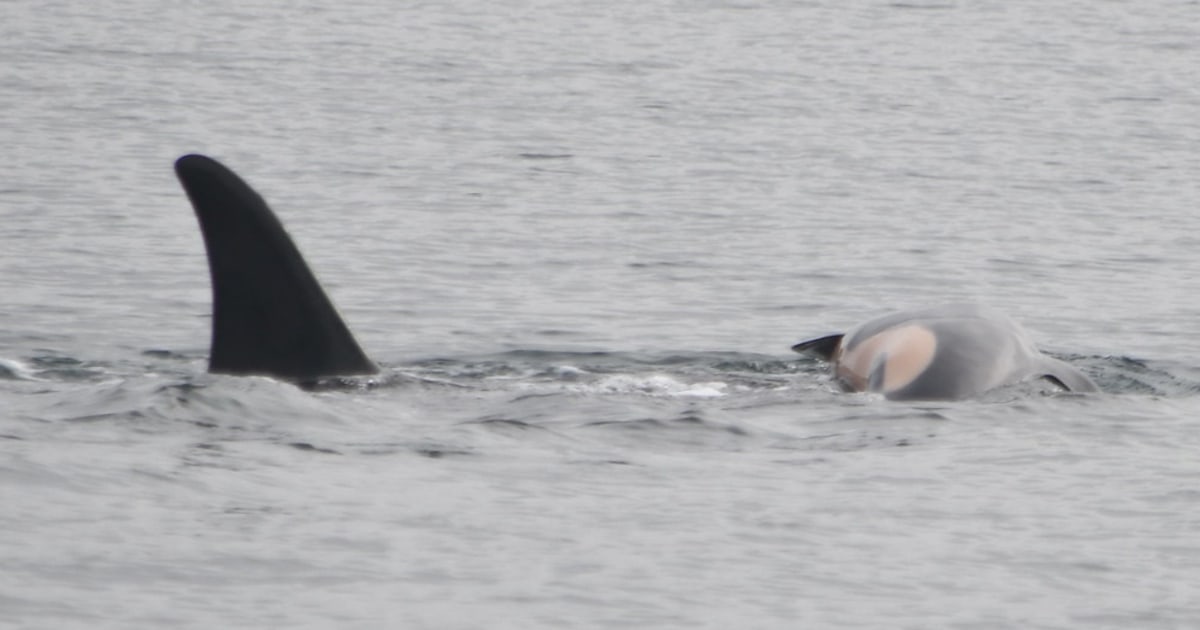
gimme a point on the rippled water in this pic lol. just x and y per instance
(581, 237)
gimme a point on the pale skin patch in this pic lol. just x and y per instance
(907, 350)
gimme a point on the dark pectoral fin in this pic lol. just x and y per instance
(270, 316)
(1066, 376)
(823, 347)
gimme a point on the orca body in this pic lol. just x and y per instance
(944, 353)
(270, 315)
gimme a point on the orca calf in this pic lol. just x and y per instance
(270, 316)
(943, 353)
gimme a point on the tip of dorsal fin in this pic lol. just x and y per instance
(823, 347)
(270, 315)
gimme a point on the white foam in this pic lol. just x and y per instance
(15, 369)
(654, 385)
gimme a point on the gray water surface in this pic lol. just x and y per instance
(580, 238)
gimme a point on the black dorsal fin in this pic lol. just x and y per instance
(270, 316)
(823, 347)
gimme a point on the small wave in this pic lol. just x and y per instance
(56, 367)
(14, 370)
(545, 156)
(689, 431)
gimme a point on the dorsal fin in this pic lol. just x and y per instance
(823, 347)
(270, 316)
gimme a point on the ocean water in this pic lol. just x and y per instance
(580, 238)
